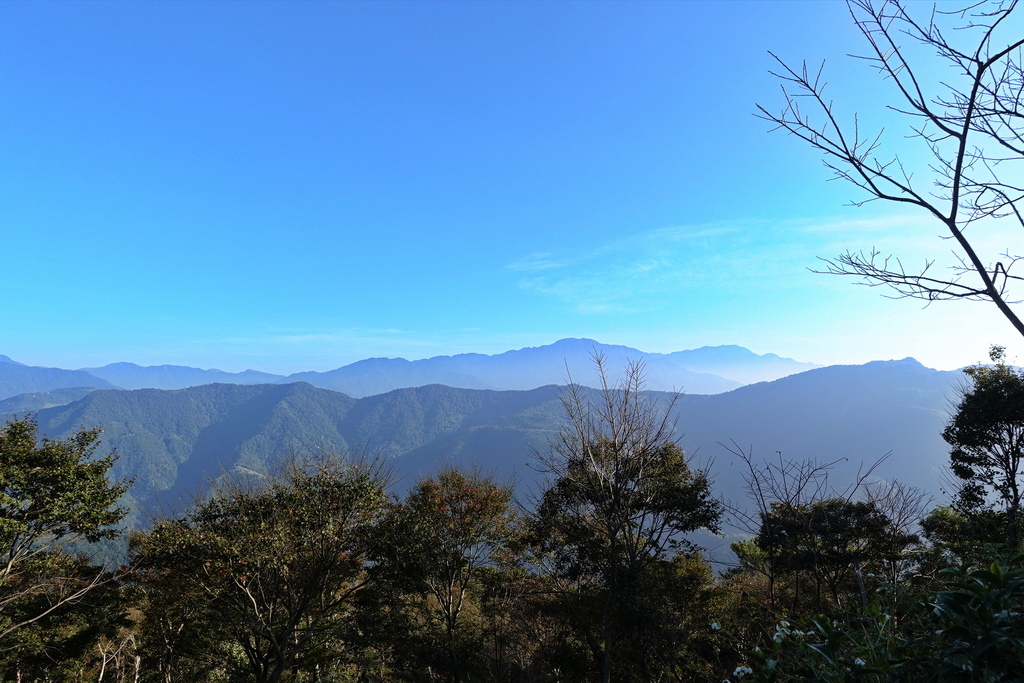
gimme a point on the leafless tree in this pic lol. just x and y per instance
(904, 506)
(972, 122)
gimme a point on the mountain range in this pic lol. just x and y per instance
(16, 379)
(172, 441)
(486, 411)
(707, 370)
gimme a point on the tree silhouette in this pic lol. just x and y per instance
(987, 436)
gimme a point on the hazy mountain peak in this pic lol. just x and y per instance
(18, 378)
(589, 345)
(124, 365)
(739, 363)
(728, 351)
(706, 370)
(377, 361)
(908, 362)
(133, 376)
(11, 361)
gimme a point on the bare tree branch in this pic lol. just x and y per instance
(972, 124)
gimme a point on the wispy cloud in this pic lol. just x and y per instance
(659, 268)
(634, 273)
(537, 261)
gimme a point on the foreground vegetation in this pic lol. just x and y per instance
(320, 573)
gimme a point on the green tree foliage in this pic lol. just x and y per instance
(621, 499)
(954, 537)
(829, 544)
(968, 629)
(987, 439)
(64, 644)
(448, 531)
(981, 612)
(262, 581)
(53, 494)
(814, 546)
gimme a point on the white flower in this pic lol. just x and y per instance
(742, 671)
(715, 626)
(859, 662)
(779, 636)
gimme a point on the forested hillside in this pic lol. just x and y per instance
(171, 442)
(16, 379)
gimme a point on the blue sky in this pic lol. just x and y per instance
(295, 186)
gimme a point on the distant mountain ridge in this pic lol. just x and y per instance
(132, 376)
(738, 363)
(23, 404)
(173, 441)
(707, 370)
(16, 379)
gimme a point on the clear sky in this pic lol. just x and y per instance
(294, 186)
